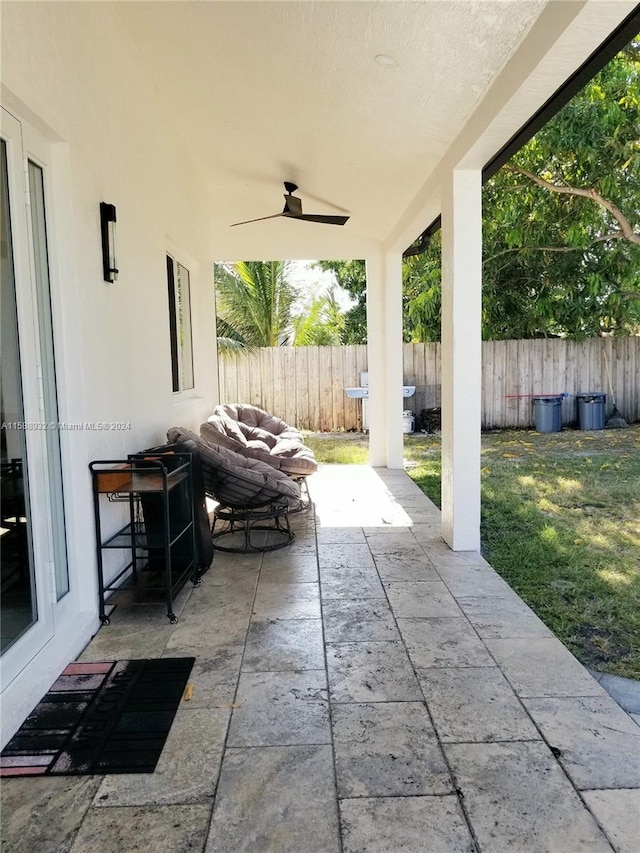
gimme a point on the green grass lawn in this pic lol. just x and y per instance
(560, 522)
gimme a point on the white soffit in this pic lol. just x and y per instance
(272, 91)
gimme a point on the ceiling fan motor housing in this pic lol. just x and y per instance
(292, 206)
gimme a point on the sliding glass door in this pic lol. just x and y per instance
(19, 604)
(33, 564)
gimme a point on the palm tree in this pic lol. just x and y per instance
(253, 304)
(321, 323)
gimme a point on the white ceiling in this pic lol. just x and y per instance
(270, 91)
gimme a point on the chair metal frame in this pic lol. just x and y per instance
(248, 520)
(249, 517)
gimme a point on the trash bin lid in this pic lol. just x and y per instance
(547, 400)
(592, 396)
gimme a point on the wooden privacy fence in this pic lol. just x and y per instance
(305, 385)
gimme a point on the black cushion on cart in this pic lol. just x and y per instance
(179, 513)
(179, 509)
(204, 545)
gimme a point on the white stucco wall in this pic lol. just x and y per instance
(69, 70)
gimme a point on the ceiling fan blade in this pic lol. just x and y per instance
(259, 219)
(293, 210)
(327, 220)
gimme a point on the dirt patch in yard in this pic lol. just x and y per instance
(600, 650)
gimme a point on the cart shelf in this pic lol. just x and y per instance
(158, 490)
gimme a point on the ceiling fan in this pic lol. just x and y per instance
(293, 210)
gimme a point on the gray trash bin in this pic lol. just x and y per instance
(591, 410)
(547, 414)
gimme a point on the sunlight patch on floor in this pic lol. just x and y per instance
(363, 498)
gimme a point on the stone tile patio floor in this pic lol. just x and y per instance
(365, 689)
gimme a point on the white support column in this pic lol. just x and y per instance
(394, 378)
(375, 360)
(461, 358)
(384, 355)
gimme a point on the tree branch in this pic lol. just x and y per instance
(632, 52)
(615, 235)
(626, 228)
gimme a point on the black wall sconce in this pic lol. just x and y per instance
(108, 230)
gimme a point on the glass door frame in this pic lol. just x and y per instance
(27, 646)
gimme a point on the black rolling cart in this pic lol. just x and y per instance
(159, 492)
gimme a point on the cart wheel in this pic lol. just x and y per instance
(172, 618)
(105, 620)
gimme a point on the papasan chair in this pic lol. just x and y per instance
(254, 499)
(261, 435)
(284, 451)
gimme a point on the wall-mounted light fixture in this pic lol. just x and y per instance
(108, 229)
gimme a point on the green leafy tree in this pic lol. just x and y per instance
(254, 302)
(351, 277)
(562, 219)
(321, 322)
(422, 295)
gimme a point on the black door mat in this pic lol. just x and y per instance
(98, 718)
